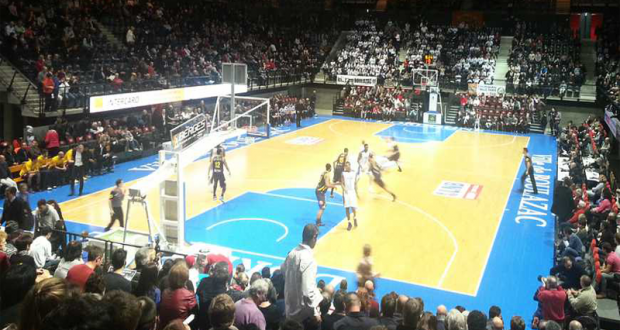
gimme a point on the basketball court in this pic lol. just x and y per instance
(460, 231)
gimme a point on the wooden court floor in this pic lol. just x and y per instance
(422, 238)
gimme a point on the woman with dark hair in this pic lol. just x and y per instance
(147, 284)
(54, 204)
(95, 285)
(165, 270)
(73, 256)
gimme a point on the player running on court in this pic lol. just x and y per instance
(394, 155)
(349, 193)
(376, 173)
(216, 172)
(324, 184)
(339, 168)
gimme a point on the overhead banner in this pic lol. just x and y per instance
(112, 102)
(356, 80)
(187, 133)
(490, 90)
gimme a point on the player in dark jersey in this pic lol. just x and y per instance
(214, 153)
(216, 172)
(321, 189)
(339, 168)
(376, 173)
(529, 171)
(395, 156)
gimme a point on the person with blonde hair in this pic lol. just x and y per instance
(40, 301)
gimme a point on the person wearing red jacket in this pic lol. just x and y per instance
(52, 142)
(48, 91)
(582, 207)
(552, 299)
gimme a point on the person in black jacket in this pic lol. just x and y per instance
(563, 202)
(355, 318)
(5, 175)
(569, 272)
(14, 209)
(21, 156)
(329, 320)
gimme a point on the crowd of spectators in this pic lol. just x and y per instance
(378, 102)
(192, 39)
(461, 54)
(45, 160)
(608, 64)
(371, 49)
(55, 45)
(61, 48)
(501, 113)
(46, 285)
(586, 206)
(545, 63)
(285, 109)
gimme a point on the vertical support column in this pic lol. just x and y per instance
(8, 124)
(180, 202)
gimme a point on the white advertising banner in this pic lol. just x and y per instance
(490, 90)
(432, 102)
(356, 80)
(112, 102)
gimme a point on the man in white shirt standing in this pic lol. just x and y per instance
(301, 295)
(41, 250)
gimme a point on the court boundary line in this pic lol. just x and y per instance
(442, 226)
(335, 131)
(501, 219)
(444, 126)
(425, 143)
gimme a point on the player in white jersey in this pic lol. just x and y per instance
(349, 193)
(363, 165)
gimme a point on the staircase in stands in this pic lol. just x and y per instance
(20, 90)
(338, 108)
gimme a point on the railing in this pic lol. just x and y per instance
(275, 79)
(11, 90)
(109, 246)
